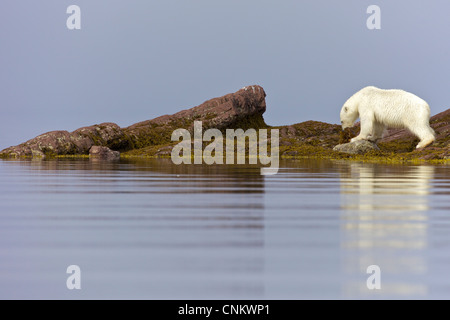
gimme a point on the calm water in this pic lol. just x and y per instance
(154, 230)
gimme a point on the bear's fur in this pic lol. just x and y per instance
(379, 109)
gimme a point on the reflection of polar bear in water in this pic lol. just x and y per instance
(379, 109)
(385, 220)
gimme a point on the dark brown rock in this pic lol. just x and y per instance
(104, 134)
(242, 109)
(67, 143)
(219, 112)
(103, 153)
(310, 132)
(347, 134)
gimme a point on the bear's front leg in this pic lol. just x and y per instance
(358, 137)
(366, 129)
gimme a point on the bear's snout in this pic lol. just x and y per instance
(345, 125)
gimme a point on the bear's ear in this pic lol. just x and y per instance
(345, 109)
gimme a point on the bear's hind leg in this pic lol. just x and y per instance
(378, 131)
(425, 134)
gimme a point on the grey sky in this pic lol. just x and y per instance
(135, 60)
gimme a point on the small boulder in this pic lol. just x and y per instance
(357, 147)
(103, 153)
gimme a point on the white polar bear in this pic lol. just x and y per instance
(379, 109)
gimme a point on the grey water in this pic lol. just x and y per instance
(154, 230)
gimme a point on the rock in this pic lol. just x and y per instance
(242, 109)
(105, 134)
(431, 156)
(348, 133)
(67, 143)
(103, 153)
(357, 147)
(164, 151)
(220, 112)
(310, 132)
(54, 142)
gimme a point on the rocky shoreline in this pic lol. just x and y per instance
(243, 109)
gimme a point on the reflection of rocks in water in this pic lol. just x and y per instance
(209, 178)
(384, 222)
(215, 178)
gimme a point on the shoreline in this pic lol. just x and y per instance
(366, 158)
(244, 110)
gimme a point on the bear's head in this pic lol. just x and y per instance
(348, 116)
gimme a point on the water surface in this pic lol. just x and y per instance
(154, 230)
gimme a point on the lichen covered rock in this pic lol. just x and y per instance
(357, 147)
(66, 143)
(242, 109)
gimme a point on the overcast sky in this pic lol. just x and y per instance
(134, 60)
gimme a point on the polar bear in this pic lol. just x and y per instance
(379, 109)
